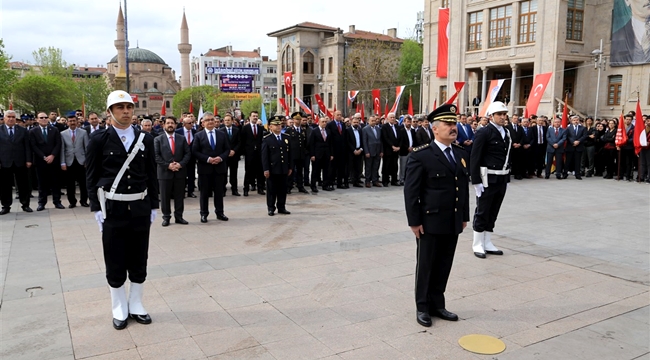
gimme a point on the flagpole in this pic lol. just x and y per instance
(126, 42)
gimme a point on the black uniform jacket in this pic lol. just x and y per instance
(105, 156)
(297, 143)
(275, 154)
(435, 196)
(489, 150)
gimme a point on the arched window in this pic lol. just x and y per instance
(293, 60)
(284, 61)
(155, 85)
(144, 103)
(146, 86)
(308, 63)
(167, 104)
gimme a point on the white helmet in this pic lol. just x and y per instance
(496, 107)
(118, 96)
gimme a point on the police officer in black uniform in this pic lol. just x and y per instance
(123, 193)
(436, 197)
(298, 150)
(490, 171)
(275, 164)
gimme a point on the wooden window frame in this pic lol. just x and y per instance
(614, 89)
(528, 23)
(575, 18)
(474, 31)
(499, 31)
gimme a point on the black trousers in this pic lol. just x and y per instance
(211, 184)
(76, 173)
(253, 171)
(191, 175)
(48, 182)
(356, 168)
(573, 162)
(609, 158)
(321, 165)
(488, 206)
(628, 162)
(559, 162)
(338, 169)
(172, 188)
(435, 255)
(126, 249)
(233, 167)
(296, 174)
(8, 175)
(276, 192)
(305, 174)
(389, 167)
(539, 155)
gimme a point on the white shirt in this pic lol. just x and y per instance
(169, 139)
(408, 133)
(500, 128)
(127, 136)
(444, 147)
(356, 138)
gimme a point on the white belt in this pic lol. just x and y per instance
(498, 172)
(126, 197)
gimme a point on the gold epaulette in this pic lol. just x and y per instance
(267, 135)
(418, 148)
(457, 145)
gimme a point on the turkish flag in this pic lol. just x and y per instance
(640, 137)
(191, 107)
(410, 108)
(163, 110)
(386, 108)
(536, 93)
(321, 104)
(398, 95)
(376, 102)
(284, 106)
(363, 113)
(458, 85)
(621, 134)
(288, 77)
(443, 43)
(11, 105)
(565, 113)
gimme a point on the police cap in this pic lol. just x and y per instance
(446, 113)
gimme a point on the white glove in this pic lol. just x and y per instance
(153, 215)
(100, 220)
(479, 189)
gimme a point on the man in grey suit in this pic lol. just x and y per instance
(372, 151)
(74, 141)
(555, 138)
(575, 137)
(172, 156)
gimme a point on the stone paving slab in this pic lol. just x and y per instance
(334, 280)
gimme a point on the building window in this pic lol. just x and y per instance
(329, 100)
(137, 105)
(444, 4)
(443, 94)
(574, 17)
(155, 85)
(167, 104)
(528, 22)
(293, 59)
(144, 104)
(284, 61)
(308, 63)
(474, 29)
(500, 20)
(146, 85)
(322, 66)
(614, 90)
(330, 65)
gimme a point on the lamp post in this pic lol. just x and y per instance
(600, 63)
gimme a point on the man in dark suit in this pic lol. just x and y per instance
(372, 151)
(465, 133)
(232, 134)
(45, 142)
(339, 164)
(424, 135)
(436, 199)
(527, 156)
(516, 152)
(74, 142)
(276, 159)
(172, 156)
(210, 148)
(188, 132)
(631, 43)
(539, 145)
(406, 144)
(298, 152)
(575, 137)
(93, 120)
(15, 159)
(390, 140)
(54, 123)
(355, 146)
(320, 153)
(555, 138)
(251, 139)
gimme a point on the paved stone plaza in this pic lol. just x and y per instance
(334, 280)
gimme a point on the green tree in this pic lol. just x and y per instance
(206, 95)
(7, 76)
(47, 93)
(50, 62)
(255, 104)
(94, 92)
(410, 72)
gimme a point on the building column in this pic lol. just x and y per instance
(484, 83)
(513, 84)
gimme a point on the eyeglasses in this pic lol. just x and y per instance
(42, 117)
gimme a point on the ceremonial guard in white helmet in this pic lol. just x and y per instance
(490, 173)
(123, 193)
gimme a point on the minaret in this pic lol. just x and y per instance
(120, 43)
(185, 48)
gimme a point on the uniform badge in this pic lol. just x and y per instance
(452, 109)
(462, 161)
(286, 141)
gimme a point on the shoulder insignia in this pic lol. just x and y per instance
(267, 135)
(457, 145)
(418, 148)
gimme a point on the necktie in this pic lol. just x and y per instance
(212, 144)
(279, 139)
(339, 126)
(322, 132)
(557, 132)
(45, 134)
(394, 132)
(73, 137)
(298, 130)
(514, 127)
(450, 158)
(94, 128)
(189, 137)
(11, 133)
(374, 131)
(540, 132)
(526, 131)
(230, 133)
(173, 144)
(254, 130)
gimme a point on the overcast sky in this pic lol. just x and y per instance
(85, 30)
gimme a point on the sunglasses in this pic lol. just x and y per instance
(42, 117)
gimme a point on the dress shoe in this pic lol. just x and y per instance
(27, 209)
(345, 186)
(377, 184)
(559, 177)
(494, 252)
(271, 212)
(384, 184)
(578, 177)
(314, 190)
(565, 175)
(222, 217)
(368, 185)
(284, 211)
(288, 191)
(141, 319)
(245, 192)
(191, 195)
(424, 319)
(165, 222)
(71, 206)
(546, 177)
(40, 208)
(328, 188)
(479, 255)
(4, 211)
(303, 190)
(59, 206)
(261, 192)
(236, 193)
(589, 175)
(445, 315)
(539, 176)
(395, 183)
(119, 324)
(181, 221)
(519, 177)
(204, 219)
(357, 185)
(85, 204)
(401, 183)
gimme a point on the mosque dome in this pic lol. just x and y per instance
(139, 55)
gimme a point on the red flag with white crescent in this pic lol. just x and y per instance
(640, 137)
(304, 106)
(410, 108)
(398, 96)
(443, 43)
(284, 106)
(621, 134)
(352, 94)
(321, 104)
(386, 108)
(288, 78)
(565, 113)
(376, 102)
(536, 92)
(163, 110)
(493, 91)
(363, 113)
(458, 85)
